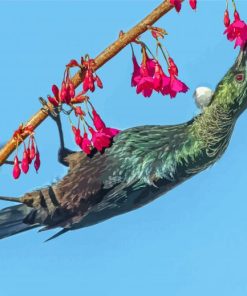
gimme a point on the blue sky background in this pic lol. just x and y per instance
(191, 242)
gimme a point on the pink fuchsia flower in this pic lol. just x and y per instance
(16, 168)
(175, 86)
(65, 93)
(97, 121)
(88, 82)
(227, 20)
(193, 4)
(160, 80)
(100, 140)
(144, 82)
(86, 145)
(56, 99)
(136, 71)
(77, 134)
(79, 112)
(237, 31)
(150, 65)
(177, 4)
(172, 69)
(172, 85)
(101, 127)
(112, 132)
(90, 77)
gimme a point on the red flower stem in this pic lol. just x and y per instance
(100, 60)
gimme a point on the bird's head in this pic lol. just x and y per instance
(231, 92)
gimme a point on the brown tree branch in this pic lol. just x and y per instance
(100, 60)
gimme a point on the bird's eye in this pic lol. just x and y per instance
(239, 77)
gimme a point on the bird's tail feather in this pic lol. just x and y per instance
(11, 220)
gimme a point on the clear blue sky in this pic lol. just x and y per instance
(193, 241)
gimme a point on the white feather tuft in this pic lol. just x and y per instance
(203, 96)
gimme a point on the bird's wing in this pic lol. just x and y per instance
(136, 156)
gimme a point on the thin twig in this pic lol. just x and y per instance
(100, 60)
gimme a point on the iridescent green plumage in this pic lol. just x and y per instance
(142, 164)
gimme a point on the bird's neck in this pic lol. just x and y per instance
(213, 128)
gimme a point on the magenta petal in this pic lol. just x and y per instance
(157, 82)
(177, 4)
(136, 72)
(150, 66)
(145, 83)
(111, 131)
(86, 144)
(178, 86)
(147, 92)
(97, 121)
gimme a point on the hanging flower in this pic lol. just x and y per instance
(101, 127)
(193, 4)
(32, 150)
(100, 140)
(172, 69)
(88, 82)
(77, 134)
(160, 79)
(237, 31)
(97, 121)
(144, 82)
(79, 112)
(136, 71)
(175, 86)
(86, 145)
(25, 162)
(177, 4)
(90, 77)
(112, 132)
(16, 168)
(56, 99)
(37, 161)
(227, 20)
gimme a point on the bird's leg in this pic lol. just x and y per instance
(63, 152)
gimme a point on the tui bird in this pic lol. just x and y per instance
(142, 164)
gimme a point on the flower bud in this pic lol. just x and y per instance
(37, 161)
(16, 168)
(226, 18)
(25, 162)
